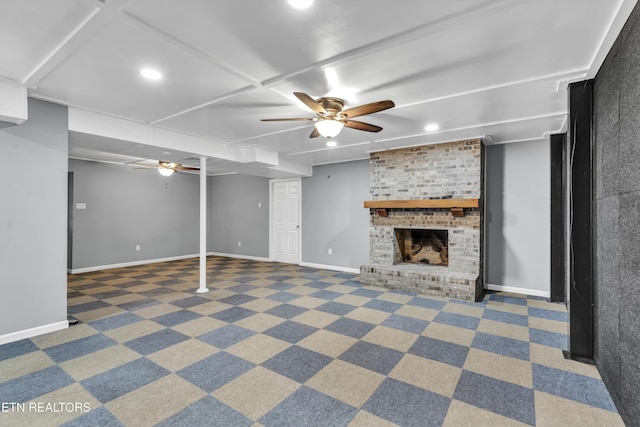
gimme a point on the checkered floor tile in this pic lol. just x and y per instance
(282, 345)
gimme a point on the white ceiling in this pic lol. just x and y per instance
(478, 68)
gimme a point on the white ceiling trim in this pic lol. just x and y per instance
(78, 107)
(563, 83)
(502, 122)
(618, 21)
(564, 76)
(269, 134)
(205, 104)
(329, 162)
(515, 141)
(420, 144)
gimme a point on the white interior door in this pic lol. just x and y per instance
(286, 221)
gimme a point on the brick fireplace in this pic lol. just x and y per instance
(426, 220)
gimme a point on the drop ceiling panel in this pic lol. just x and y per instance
(521, 41)
(500, 105)
(267, 39)
(103, 75)
(238, 117)
(475, 67)
(30, 30)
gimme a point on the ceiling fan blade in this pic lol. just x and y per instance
(315, 133)
(311, 103)
(374, 107)
(354, 124)
(287, 120)
(186, 168)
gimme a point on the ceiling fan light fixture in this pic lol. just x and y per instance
(165, 171)
(300, 4)
(329, 127)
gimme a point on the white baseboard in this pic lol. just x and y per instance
(250, 257)
(128, 264)
(32, 332)
(175, 258)
(330, 267)
(523, 291)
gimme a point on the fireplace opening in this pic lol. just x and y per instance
(423, 246)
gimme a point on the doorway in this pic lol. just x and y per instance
(285, 233)
(69, 221)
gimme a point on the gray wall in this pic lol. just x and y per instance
(235, 216)
(617, 217)
(33, 230)
(518, 216)
(333, 215)
(127, 207)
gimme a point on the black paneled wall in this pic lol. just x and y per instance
(617, 220)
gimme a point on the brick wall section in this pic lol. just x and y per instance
(431, 171)
(452, 169)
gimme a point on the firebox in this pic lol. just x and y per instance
(423, 246)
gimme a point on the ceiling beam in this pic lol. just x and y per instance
(93, 123)
(13, 108)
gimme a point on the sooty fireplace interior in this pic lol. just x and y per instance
(422, 246)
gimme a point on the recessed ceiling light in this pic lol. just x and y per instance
(167, 153)
(300, 4)
(331, 143)
(150, 73)
(431, 127)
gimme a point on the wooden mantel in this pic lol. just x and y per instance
(456, 205)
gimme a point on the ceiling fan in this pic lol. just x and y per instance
(168, 168)
(331, 118)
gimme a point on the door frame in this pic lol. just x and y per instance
(272, 182)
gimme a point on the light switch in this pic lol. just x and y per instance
(81, 206)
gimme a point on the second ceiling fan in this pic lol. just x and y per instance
(331, 118)
(169, 168)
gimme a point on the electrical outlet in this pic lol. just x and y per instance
(330, 251)
(138, 248)
(239, 244)
(259, 204)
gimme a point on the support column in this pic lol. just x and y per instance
(203, 226)
(558, 213)
(580, 292)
